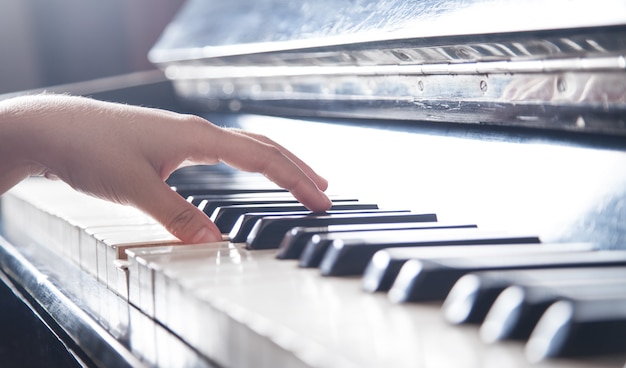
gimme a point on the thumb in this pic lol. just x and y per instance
(181, 218)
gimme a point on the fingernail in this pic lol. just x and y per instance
(205, 235)
(327, 202)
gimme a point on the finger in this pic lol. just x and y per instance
(321, 182)
(179, 217)
(249, 154)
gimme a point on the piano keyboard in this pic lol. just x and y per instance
(380, 287)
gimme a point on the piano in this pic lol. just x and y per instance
(495, 132)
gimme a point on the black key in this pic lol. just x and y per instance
(350, 256)
(294, 242)
(518, 308)
(190, 190)
(244, 225)
(431, 280)
(473, 295)
(579, 327)
(199, 180)
(221, 174)
(216, 173)
(268, 232)
(208, 203)
(316, 248)
(226, 217)
(382, 270)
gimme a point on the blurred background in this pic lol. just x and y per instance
(45, 43)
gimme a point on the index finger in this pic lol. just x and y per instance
(321, 183)
(249, 152)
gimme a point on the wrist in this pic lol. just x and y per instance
(15, 164)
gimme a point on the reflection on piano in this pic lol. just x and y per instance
(477, 174)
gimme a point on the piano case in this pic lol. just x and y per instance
(505, 114)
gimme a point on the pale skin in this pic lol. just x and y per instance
(124, 153)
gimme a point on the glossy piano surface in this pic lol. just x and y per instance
(555, 65)
(560, 186)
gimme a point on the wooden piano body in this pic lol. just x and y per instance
(508, 115)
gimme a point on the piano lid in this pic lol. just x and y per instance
(558, 65)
